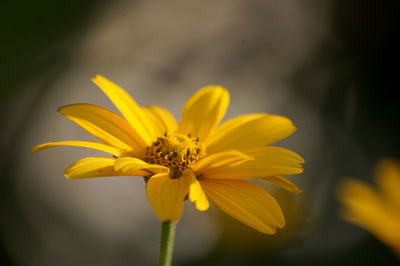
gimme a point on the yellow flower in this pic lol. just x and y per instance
(198, 158)
(377, 210)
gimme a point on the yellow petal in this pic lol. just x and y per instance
(365, 207)
(250, 131)
(106, 126)
(163, 120)
(269, 153)
(86, 144)
(232, 124)
(196, 193)
(245, 202)
(97, 167)
(359, 197)
(166, 196)
(268, 161)
(388, 179)
(127, 164)
(203, 111)
(283, 183)
(218, 160)
(132, 112)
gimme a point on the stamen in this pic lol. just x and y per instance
(175, 151)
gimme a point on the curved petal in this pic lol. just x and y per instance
(86, 144)
(223, 159)
(97, 167)
(268, 161)
(245, 202)
(283, 183)
(132, 112)
(166, 196)
(105, 125)
(127, 164)
(203, 111)
(196, 192)
(250, 131)
(163, 118)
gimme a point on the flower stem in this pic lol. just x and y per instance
(167, 243)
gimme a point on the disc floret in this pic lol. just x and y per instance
(175, 151)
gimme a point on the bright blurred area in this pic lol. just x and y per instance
(330, 66)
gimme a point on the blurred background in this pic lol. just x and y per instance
(330, 66)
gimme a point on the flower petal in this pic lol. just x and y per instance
(218, 160)
(196, 193)
(165, 117)
(365, 207)
(164, 121)
(97, 167)
(361, 201)
(106, 126)
(268, 162)
(388, 179)
(203, 111)
(283, 183)
(245, 202)
(86, 144)
(250, 131)
(127, 164)
(132, 112)
(232, 124)
(166, 196)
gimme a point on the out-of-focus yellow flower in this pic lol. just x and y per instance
(377, 210)
(198, 158)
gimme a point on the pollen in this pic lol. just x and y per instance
(175, 151)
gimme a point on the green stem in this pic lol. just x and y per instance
(167, 243)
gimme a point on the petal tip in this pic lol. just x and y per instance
(298, 191)
(268, 230)
(96, 78)
(34, 149)
(249, 158)
(67, 175)
(202, 207)
(62, 108)
(215, 87)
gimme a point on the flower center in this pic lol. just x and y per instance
(175, 151)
